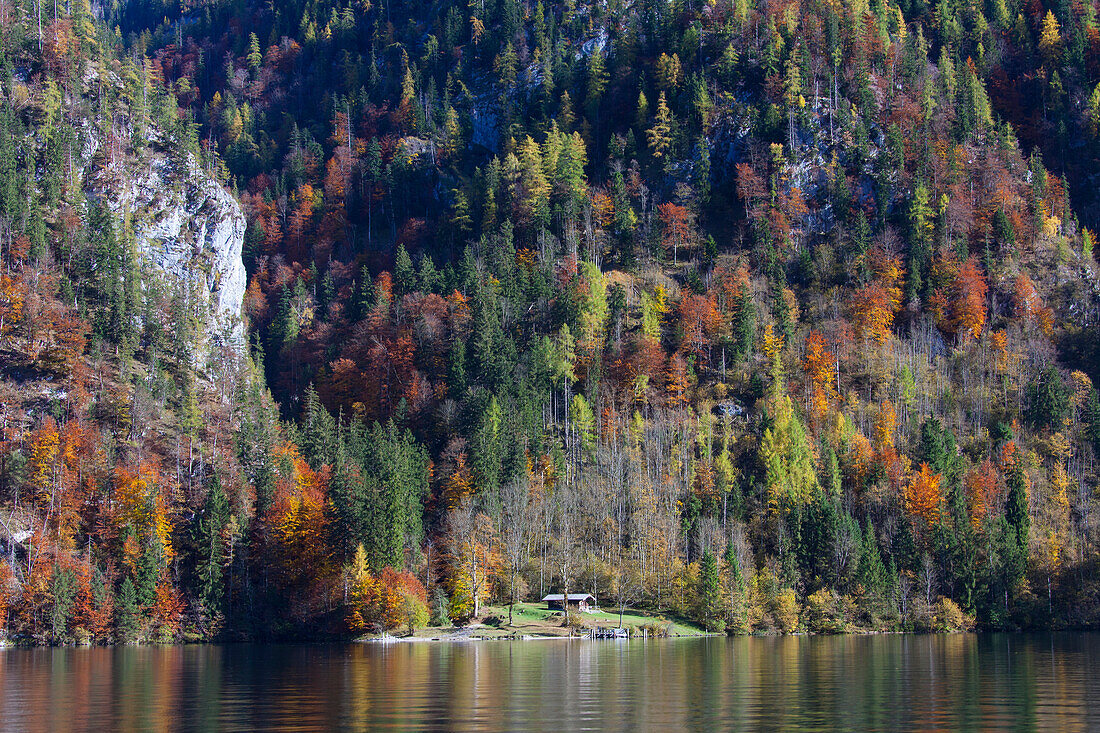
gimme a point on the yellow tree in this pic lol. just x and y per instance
(43, 465)
(141, 506)
(1054, 541)
(785, 450)
(886, 423)
(668, 72)
(377, 602)
(818, 365)
(593, 315)
(677, 381)
(923, 498)
(1050, 39)
(12, 295)
(471, 559)
(773, 356)
(532, 189)
(660, 135)
(458, 486)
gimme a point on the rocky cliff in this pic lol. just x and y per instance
(188, 229)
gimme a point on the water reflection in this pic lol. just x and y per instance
(809, 683)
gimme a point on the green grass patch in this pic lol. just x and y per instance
(537, 614)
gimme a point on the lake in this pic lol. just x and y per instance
(892, 682)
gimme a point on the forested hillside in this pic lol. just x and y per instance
(777, 316)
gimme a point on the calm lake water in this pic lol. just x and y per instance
(952, 682)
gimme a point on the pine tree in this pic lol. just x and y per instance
(597, 82)
(255, 58)
(870, 573)
(1092, 421)
(148, 573)
(489, 350)
(127, 618)
(736, 607)
(429, 279)
(404, 276)
(1050, 39)
(744, 327)
(660, 135)
(348, 494)
(1048, 399)
(456, 369)
(936, 446)
(1017, 509)
(63, 592)
(1092, 112)
(708, 594)
(362, 295)
(211, 546)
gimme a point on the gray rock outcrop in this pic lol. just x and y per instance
(190, 230)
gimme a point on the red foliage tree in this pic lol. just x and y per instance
(968, 302)
(677, 223)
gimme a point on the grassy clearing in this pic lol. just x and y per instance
(534, 619)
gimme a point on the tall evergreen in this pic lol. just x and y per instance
(708, 593)
(210, 543)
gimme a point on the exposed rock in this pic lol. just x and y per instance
(593, 45)
(486, 124)
(188, 228)
(417, 152)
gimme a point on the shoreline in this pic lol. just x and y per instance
(485, 634)
(7, 644)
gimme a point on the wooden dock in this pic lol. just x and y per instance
(608, 633)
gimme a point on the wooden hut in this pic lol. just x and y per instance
(576, 601)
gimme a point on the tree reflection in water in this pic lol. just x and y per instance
(935, 682)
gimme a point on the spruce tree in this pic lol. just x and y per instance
(708, 594)
(1017, 510)
(404, 276)
(127, 612)
(63, 591)
(211, 546)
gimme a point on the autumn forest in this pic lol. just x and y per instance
(323, 318)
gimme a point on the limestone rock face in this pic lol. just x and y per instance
(186, 229)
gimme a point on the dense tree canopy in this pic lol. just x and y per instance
(778, 316)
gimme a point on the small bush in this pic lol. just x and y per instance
(921, 615)
(949, 617)
(825, 613)
(737, 620)
(655, 629)
(415, 611)
(576, 622)
(785, 610)
(82, 637)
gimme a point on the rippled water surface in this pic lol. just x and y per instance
(967, 682)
